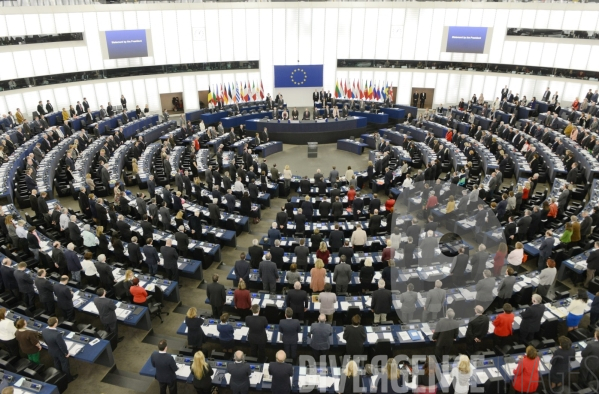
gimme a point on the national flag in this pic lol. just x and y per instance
(384, 93)
(248, 92)
(210, 98)
(360, 94)
(353, 89)
(370, 91)
(229, 93)
(347, 90)
(337, 91)
(253, 90)
(224, 94)
(391, 94)
(261, 91)
(237, 95)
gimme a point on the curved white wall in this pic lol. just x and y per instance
(288, 33)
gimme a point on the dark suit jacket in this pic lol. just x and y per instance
(477, 328)
(170, 256)
(106, 310)
(64, 297)
(45, 289)
(166, 367)
(24, 281)
(446, 332)
(240, 376)
(297, 300)
(280, 372)
(531, 318)
(257, 329)
(256, 252)
(290, 328)
(216, 294)
(57, 347)
(381, 301)
(151, 254)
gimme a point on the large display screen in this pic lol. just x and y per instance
(123, 44)
(464, 39)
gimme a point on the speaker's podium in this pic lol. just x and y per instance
(312, 149)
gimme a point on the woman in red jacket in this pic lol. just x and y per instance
(139, 293)
(526, 375)
(242, 299)
(503, 325)
(390, 204)
(388, 252)
(351, 194)
(499, 259)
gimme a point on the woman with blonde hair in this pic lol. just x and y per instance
(515, 257)
(390, 381)
(366, 274)
(12, 230)
(135, 168)
(202, 373)
(195, 334)
(179, 219)
(461, 375)
(323, 253)
(349, 173)
(287, 176)
(317, 274)
(351, 382)
(89, 182)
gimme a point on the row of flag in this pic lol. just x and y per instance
(236, 92)
(363, 92)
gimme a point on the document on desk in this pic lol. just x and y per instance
(463, 330)
(91, 308)
(482, 376)
(389, 336)
(228, 377)
(210, 329)
(491, 328)
(371, 337)
(426, 330)
(404, 336)
(509, 368)
(518, 319)
(269, 335)
(184, 370)
(255, 378)
(340, 337)
(344, 305)
(74, 347)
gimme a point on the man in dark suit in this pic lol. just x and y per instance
(268, 274)
(477, 329)
(297, 300)
(240, 374)
(573, 174)
(106, 311)
(289, 329)
(105, 271)
(217, 295)
(256, 252)
(415, 96)
(166, 369)
(57, 348)
(242, 270)
(170, 257)
(414, 231)
(151, 255)
(523, 225)
(257, 332)
(64, 298)
(336, 239)
(40, 108)
(45, 290)
(446, 332)
(381, 302)
(546, 95)
(306, 115)
(422, 99)
(25, 283)
(531, 319)
(459, 267)
(302, 252)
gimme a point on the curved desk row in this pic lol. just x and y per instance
(83, 164)
(521, 167)
(553, 162)
(487, 159)
(110, 123)
(144, 164)
(15, 161)
(300, 131)
(205, 113)
(47, 167)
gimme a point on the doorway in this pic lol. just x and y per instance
(428, 102)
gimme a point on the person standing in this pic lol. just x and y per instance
(166, 369)
(281, 373)
(560, 363)
(446, 332)
(217, 296)
(342, 275)
(57, 348)
(435, 299)
(269, 274)
(28, 341)
(202, 374)
(354, 337)
(328, 302)
(461, 374)
(195, 334)
(240, 374)
(64, 298)
(381, 303)
(106, 310)
(257, 332)
(25, 283)
(170, 256)
(289, 329)
(526, 375)
(477, 329)
(7, 334)
(320, 333)
(531, 319)
(592, 265)
(297, 300)
(408, 301)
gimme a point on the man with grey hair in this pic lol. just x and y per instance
(268, 274)
(484, 289)
(214, 212)
(477, 329)
(320, 333)
(64, 219)
(342, 275)
(381, 302)
(446, 332)
(89, 239)
(408, 301)
(297, 300)
(531, 319)
(435, 299)
(182, 241)
(74, 231)
(273, 234)
(107, 279)
(240, 373)
(479, 262)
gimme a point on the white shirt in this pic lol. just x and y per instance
(238, 187)
(21, 232)
(407, 182)
(64, 221)
(7, 330)
(577, 307)
(89, 268)
(515, 257)
(462, 381)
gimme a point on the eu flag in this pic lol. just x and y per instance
(298, 76)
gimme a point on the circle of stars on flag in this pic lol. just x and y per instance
(293, 76)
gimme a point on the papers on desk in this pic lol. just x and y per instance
(121, 314)
(269, 335)
(184, 370)
(426, 329)
(344, 305)
(491, 328)
(322, 382)
(509, 368)
(91, 308)
(463, 330)
(228, 378)
(482, 376)
(468, 295)
(340, 337)
(240, 333)
(518, 320)
(255, 378)
(371, 337)
(404, 336)
(74, 347)
(210, 329)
